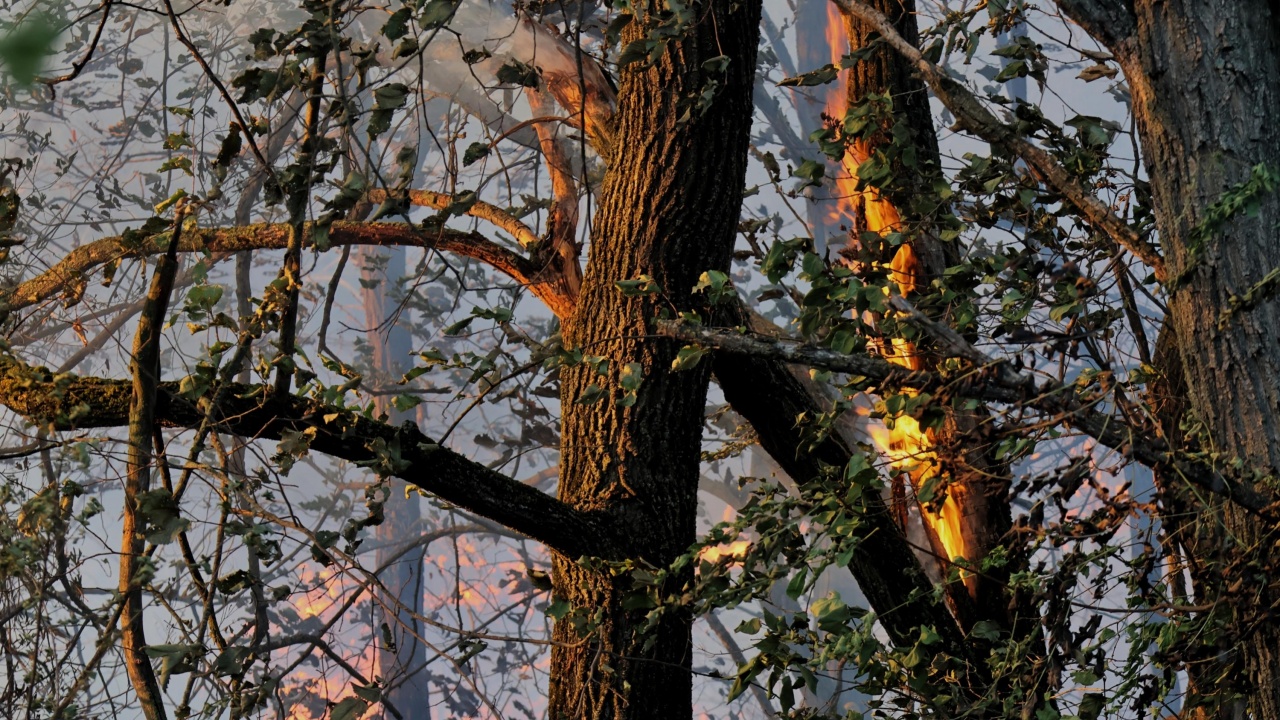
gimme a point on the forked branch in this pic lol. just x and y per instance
(68, 403)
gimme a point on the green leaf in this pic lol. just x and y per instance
(23, 49)
(397, 25)
(986, 630)
(174, 659)
(687, 358)
(515, 72)
(352, 708)
(1091, 706)
(811, 172)
(386, 100)
(474, 152)
(795, 588)
(161, 517)
(821, 76)
(182, 162)
(405, 401)
(591, 395)
(643, 285)
(436, 13)
(406, 48)
(458, 327)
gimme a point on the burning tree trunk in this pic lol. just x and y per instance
(972, 514)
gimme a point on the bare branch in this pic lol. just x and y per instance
(80, 261)
(975, 117)
(253, 411)
(492, 214)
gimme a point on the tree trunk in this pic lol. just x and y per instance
(669, 209)
(401, 662)
(976, 512)
(1205, 77)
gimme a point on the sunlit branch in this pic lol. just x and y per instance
(481, 210)
(145, 371)
(974, 117)
(403, 451)
(562, 222)
(80, 261)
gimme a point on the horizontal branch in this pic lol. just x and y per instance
(74, 267)
(975, 117)
(995, 382)
(480, 210)
(70, 403)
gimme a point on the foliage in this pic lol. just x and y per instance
(419, 120)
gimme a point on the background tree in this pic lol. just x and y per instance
(941, 341)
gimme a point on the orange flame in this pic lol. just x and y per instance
(907, 444)
(735, 549)
(879, 215)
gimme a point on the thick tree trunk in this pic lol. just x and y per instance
(669, 209)
(1205, 77)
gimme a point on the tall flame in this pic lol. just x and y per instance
(878, 214)
(906, 444)
(909, 447)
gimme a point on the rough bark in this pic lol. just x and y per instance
(1205, 78)
(669, 208)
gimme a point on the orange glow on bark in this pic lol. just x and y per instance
(907, 445)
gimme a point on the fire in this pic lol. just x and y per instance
(908, 445)
(735, 549)
(878, 214)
